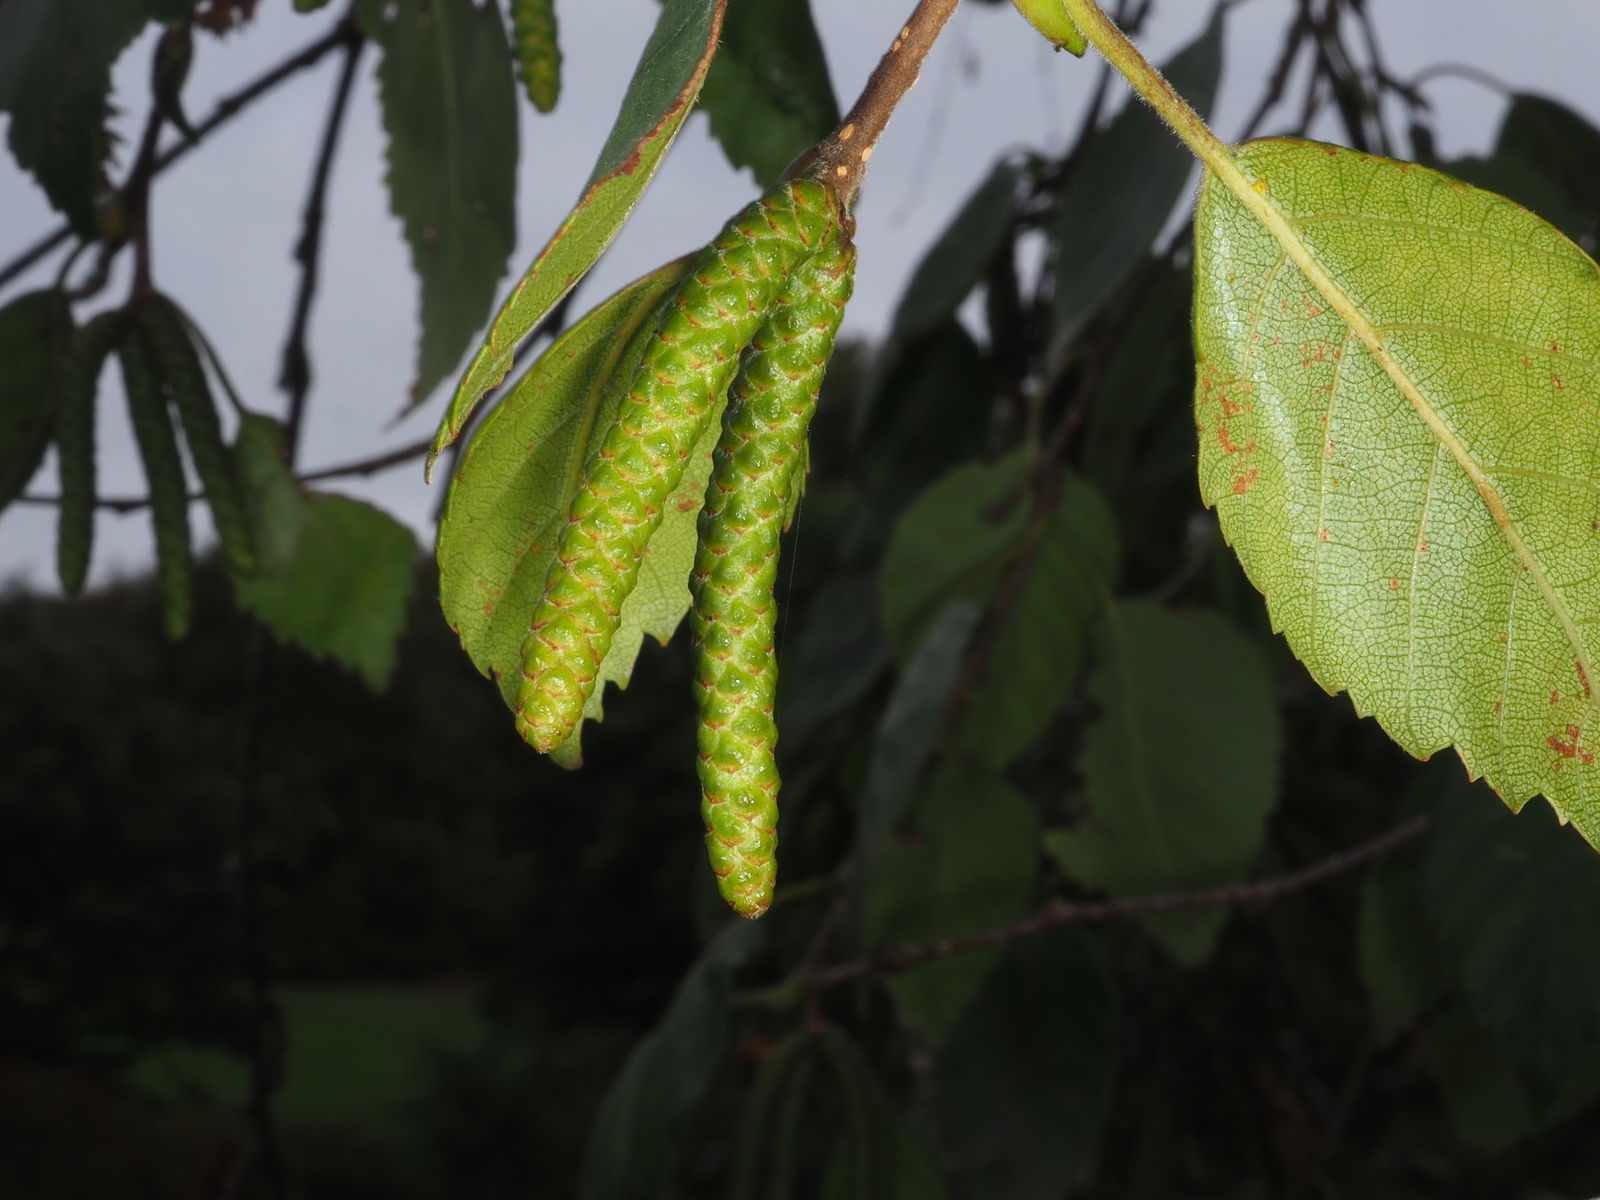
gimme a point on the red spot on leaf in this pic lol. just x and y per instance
(1231, 408)
(1555, 698)
(1322, 533)
(1422, 547)
(1227, 442)
(1583, 679)
(1556, 379)
(1571, 747)
(1241, 484)
(1394, 584)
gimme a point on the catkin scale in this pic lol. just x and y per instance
(756, 465)
(685, 370)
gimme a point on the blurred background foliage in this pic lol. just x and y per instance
(267, 932)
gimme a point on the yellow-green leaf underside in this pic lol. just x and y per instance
(511, 493)
(1407, 458)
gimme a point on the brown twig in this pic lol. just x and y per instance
(841, 158)
(887, 960)
(361, 466)
(225, 110)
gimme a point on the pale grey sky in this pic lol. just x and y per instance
(226, 218)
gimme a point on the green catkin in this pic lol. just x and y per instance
(77, 384)
(756, 466)
(163, 468)
(184, 380)
(683, 375)
(533, 27)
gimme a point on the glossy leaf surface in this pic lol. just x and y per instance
(1425, 520)
(1181, 769)
(662, 92)
(511, 493)
(450, 113)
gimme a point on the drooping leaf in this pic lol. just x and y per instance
(77, 386)
(1412, 483)
(450, 113)
(911, 722)
(1181, 768)
(1023, 1087)
(1125, 187)
(638, 1132)
(1042, 576)
(1400, 963)
(1514, 902)
(658, 99)
(877, 1154)
(1488, 1104)
(55, 78)
(958, 261)
(165, 478)
(35, 331)
(334, 574)
(515, 483)
(951, 541)
(1036, 628)
(767, 94)
(967, 863)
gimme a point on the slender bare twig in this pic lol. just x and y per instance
(891, 959)
(225, 110)
(294, 376)
(841, 158)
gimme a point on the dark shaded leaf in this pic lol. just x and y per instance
(967, 862)
(1023, 1086)
(55, 79)
(1124, 188)
(767, 94)
(638, 1133)
(959, 260)
(35, 331)
(1181, 769)
(450, 113)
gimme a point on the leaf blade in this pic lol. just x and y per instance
(1426, 550)
(663, 90)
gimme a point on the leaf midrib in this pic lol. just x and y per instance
(1255, 196)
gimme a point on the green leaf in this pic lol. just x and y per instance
(1424, 520)
(35, 331)
(334, 575)
(878, 1155)
(1514, 903)
(1488, 1105)
(1022, 1089)
(510, 496)
(450, 112)
(967, 863)
(55, 81)
(959, 260)
(658, 99)
(1123, 189)
(950, 542)
(642, 1121)
(1036, 628)
(1181, 769)
(911, 721)
(767, 94)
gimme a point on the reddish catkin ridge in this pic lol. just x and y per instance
(758, 462)
(683, 376)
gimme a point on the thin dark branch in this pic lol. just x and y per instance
(295, 374)
(891, 959)
(361, 466)
(1279, 80)
(225, 110)
(842, 157)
